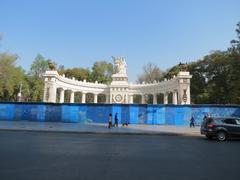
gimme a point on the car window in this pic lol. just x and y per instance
(218, 121)
(209, 120)
(230, 121)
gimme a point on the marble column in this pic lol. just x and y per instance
(46, 93)
(52, 93)
(154, 98)
(174, 97)
(83, 97)
(143, 99)
(165, 98)
(130, 99)
(107, 98)
(61, 96)
(188, 95)
(95, 98)
(72, 97)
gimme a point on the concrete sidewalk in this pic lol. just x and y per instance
(97, 128)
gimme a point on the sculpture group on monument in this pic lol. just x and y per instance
(119, 90)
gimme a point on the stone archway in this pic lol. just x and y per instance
(58, 95)
(78, 97)
(148, 98)
(137, 99)
(67, 96)
(170, 98)
(89, 98)
(160, 98)
(102, 98)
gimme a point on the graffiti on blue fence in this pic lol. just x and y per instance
(98, 113)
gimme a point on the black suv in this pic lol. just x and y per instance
(221, 128)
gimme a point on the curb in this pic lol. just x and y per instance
(104, 133)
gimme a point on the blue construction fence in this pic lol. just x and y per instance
(98, 113)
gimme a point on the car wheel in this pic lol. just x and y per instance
(221, 136)
(209, 137)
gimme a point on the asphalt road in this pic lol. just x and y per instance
(57, 156)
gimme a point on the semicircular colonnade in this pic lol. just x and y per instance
(176, 90)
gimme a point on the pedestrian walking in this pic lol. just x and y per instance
(116, 120)
(192, 122)
(110, 120)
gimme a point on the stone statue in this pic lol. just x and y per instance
(183, 67)
(120, 65)
(51, 66)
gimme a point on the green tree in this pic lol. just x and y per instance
(198, 82)
(39, 66)
(36, 87)
(234, 77)
(35, 79)
(215, 78)
(236, 42)
(171, 72)
(218, 77)
(102, 72)
(11, 77)
(78, 73)
(234, 55)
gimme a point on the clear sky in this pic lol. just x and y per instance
(76, 33)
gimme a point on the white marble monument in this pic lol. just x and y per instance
(120, 90)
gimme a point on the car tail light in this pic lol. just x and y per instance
(211, 125)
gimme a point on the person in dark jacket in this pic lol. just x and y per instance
(110, 120)
(116, 120)
(192, 122)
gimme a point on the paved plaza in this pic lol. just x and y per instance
(99, 128)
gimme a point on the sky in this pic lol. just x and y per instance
(77, 33)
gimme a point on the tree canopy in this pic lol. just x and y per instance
(39, 66)
(11, 77)
(216, 77)
(102, 72)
